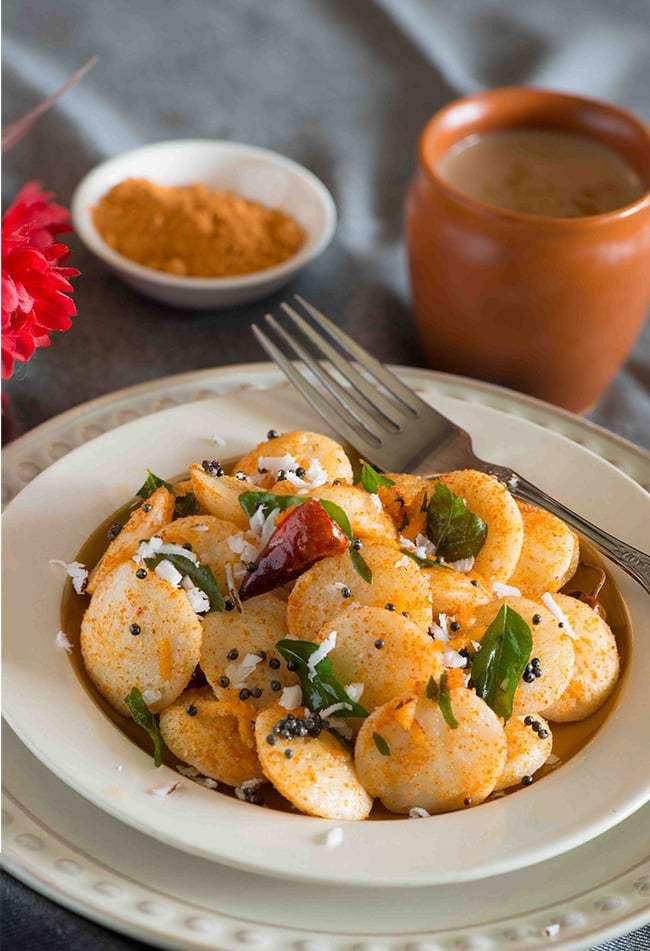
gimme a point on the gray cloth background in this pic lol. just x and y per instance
(343, 86)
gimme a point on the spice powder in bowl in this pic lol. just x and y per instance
(193, 230)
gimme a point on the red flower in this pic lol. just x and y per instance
(34, 285)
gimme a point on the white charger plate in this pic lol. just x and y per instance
(64, 728)
(72, 852)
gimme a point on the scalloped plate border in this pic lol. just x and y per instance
(58, 869)
(54, 866)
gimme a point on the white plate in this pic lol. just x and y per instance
(62, 726)
(257, 174)
(77, 855)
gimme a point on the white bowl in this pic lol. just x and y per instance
(257, 174)
(60, 722)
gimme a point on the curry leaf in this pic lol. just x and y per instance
(320, 686)
(456, 532)
(501, 660)
(381, 744)
(251, 501)
(150, 484)
(201, 575)
(337, 515)
(360, 565)
(146, 719)
(432, 689)
(185, 505)
(442, 695)
(372, 480)
(444, 702)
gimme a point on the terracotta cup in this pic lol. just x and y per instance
(550, 306)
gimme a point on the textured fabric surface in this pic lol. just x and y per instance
(343, 86)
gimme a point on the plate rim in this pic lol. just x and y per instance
(174, 380)
(497, 867)
(46, 884)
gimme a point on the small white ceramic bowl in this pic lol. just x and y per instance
(257, 174)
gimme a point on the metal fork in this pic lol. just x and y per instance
(390, 426)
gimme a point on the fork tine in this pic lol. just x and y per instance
(391, 411)
(386, 377)
(349, 428)
(345, 398)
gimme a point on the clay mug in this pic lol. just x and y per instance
(549, 306)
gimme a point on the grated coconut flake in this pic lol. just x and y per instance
(440, 631)
(291, 697)
(165, 570)
(424, 547)
(355, 691)
(559, 614)
(505, 590)
(62, 642)
(322, 651)
(452, 658)
(334, 708)
(76, 571)
(147, 549)
(333, 837)
(463, 565)
(163, 791)
(239, 672)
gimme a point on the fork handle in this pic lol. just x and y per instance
(636, 563)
